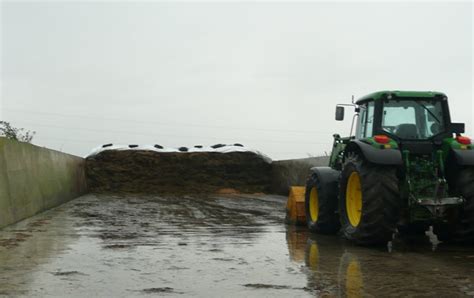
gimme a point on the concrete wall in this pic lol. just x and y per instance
(33, 179)
(293, 172)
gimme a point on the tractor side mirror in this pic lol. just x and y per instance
(339, 113)
(457, 128)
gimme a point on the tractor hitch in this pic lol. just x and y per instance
(438, 206)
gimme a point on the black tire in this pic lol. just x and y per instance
(327, 221)
(464, 230)
(380, 202)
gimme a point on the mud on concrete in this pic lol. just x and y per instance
(211, 246)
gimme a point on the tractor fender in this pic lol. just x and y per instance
(374, 155)
(463, 157)
(325, 174)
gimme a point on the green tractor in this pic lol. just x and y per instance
(407, 167)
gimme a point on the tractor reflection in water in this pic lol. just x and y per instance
(323, 263)
(335, 267)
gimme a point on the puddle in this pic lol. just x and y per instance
(404, 268)
(115, 245)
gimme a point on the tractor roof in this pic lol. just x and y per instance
(381, 94)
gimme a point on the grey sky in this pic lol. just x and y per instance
(267, 75)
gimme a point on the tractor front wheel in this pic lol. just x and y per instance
(368, 201)
(321, 204)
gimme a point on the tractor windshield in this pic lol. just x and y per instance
(413, 119)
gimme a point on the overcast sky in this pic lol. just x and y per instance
(267, 75)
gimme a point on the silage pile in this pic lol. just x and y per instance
(154, 169)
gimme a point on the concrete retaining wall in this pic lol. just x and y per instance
(33, 179)
(293, 172)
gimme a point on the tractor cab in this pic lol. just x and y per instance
(411, 122)
(402, 118)
(416, 121)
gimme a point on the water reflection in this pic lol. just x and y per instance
(410, 267)
(26, 246)
(350, 271)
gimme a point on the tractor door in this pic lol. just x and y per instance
(365, 122)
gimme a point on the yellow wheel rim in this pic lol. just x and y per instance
(354, 280)
(313, 204)
(354, 199)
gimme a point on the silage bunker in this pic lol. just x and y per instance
(149, 170)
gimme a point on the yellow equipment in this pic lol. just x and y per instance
(295, 210)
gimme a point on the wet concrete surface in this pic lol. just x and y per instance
(212, 246)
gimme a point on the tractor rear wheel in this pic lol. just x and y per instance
(464, 229)
(321, 205)
(368, 201)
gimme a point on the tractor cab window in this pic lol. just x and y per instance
(365, 123)
(413, 119)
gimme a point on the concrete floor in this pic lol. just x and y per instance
(215, 246)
